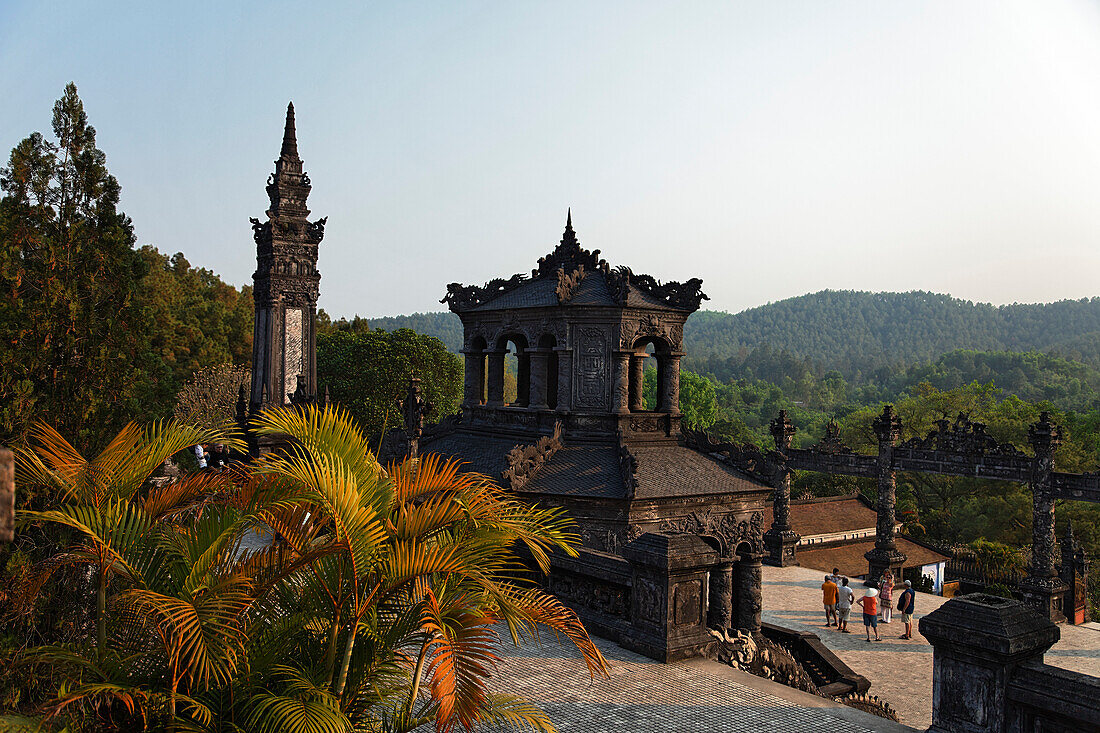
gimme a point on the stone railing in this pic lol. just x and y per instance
(988, 672)
(831, 675)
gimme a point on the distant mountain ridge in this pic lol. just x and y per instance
(857, 332)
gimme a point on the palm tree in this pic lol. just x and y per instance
(430, 567)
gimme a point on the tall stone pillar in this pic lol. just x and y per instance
(637, 372)
(1042, 588)
(780, 540)
(669, 384)
(749, 578)
(523, 377)
(720, 597)
(539, 359)
(978, 642)
(565, 378)
(620, 381)
(473, 377)
(885, 554)
(495, 396)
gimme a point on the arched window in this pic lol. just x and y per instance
(646, 351)
(512, 349)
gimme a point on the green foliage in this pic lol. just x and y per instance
(445, 326)
(367, 372)
(75, 350)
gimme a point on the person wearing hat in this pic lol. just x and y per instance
(906, 602)
(870, 612)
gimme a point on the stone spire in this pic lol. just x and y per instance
(290, 137)
(569, 238)
(285, 284)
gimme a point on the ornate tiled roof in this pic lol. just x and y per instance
(572, 275)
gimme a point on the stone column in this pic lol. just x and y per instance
(669, 384)
(720, 596)
(495, 396)
(473, 377)
(565, 378)
(749, 601)
(885, 554)
(780, 540)
(978, 642)
(537, 397)
(620, 381)
(1042, 588)
(637, 371)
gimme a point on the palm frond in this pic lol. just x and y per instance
(511, 713)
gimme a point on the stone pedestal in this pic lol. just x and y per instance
(978, 642)
(669, 596)
(780, 545)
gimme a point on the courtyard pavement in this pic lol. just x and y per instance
(900, 671)
(696, 696)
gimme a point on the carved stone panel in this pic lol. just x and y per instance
(648, 601)
(592, 387)
(687, 603)
(293, 335)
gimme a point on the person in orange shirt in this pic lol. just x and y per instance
(870, 612)
(829, 597)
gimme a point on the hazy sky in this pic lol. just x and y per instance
(771, 148)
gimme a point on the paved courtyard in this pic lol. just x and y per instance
(900, 671)
(698, 696)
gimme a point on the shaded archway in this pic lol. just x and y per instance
(645, 351)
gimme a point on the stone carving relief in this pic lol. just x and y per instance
(831, 444)
(466, 297)
(608, 540)
(687, 603)
(613, 600)
(524, 461)
(769, 466)
(963, 436)
(292, 349)
(648, 595)
(682, 296)
(592, 392)
(628, 468)
(726, 528)
(568, 284)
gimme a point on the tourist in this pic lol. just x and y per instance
(835, 577)
(218, 456)
(886, 594)
(843, 606)
(906, 602)
(870, 612)
(829, 593)
(200, 456)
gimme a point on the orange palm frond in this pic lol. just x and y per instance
(461, 647)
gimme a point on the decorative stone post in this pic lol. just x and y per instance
(565, 378)
(780, 540)
(978, 641)
(669, 384)
(539, 359)
(748, 570)
(637, 372)
(668, 595)
(620, 382)
(473, 377)
(720, 602)
(1042, 588)
(495, 396)
(885, 553)
(413, 409)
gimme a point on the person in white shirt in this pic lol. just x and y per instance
(200, 456)
(844, 606)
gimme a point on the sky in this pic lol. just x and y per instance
(773, 147)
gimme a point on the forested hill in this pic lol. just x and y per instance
(858, 332)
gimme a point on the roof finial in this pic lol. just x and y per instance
(290, 138)
(569, 217)
(569, 238)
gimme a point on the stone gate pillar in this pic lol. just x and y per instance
(1042, 588)
(495, 396)
(473, 377)
(565, 378)
(780, 540)
(539, 378)
(885, 553)
(749, 578)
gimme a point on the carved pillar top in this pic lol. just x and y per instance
(782, 430)
(887, 426)
(413, 409)
(1044, 436)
